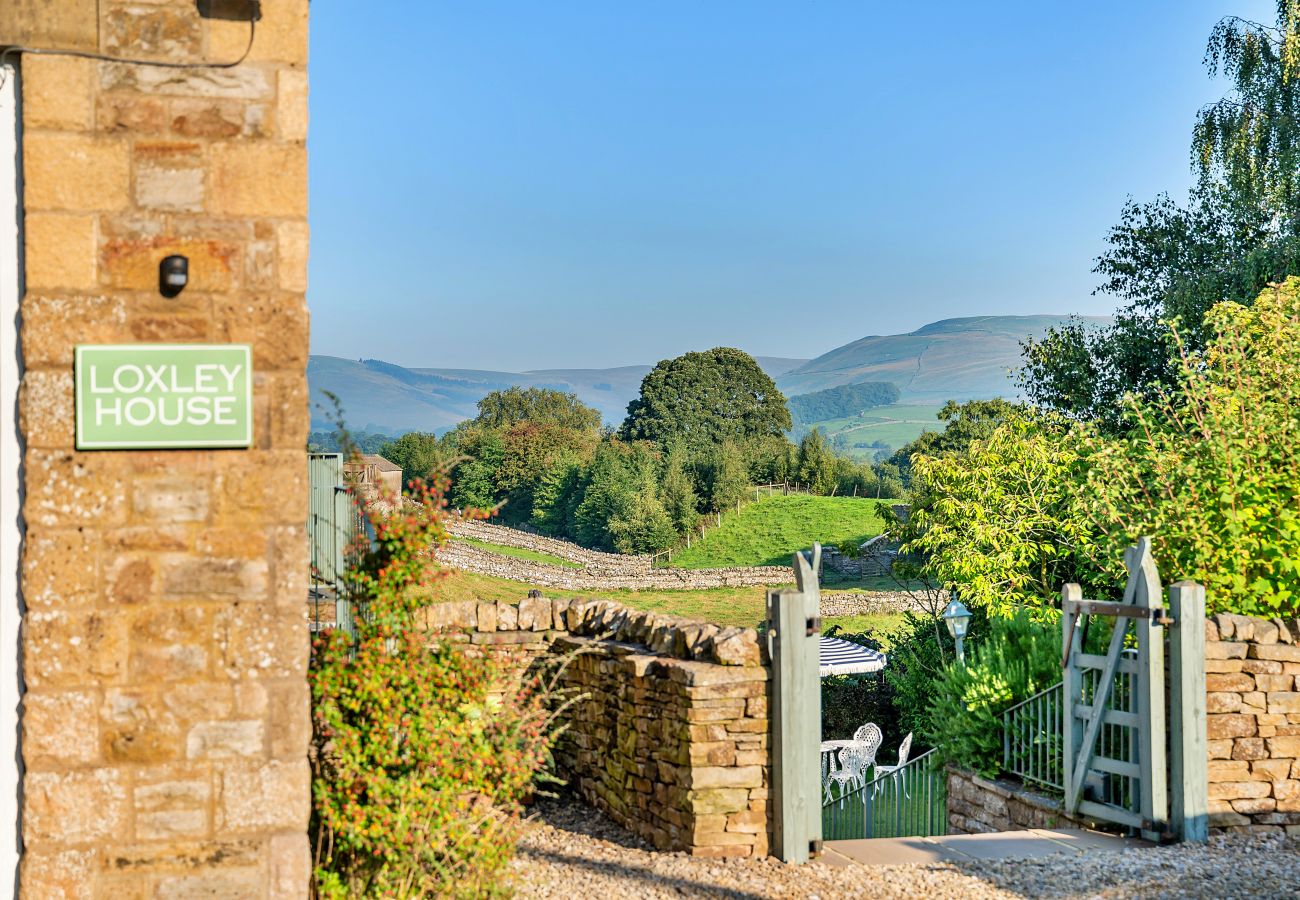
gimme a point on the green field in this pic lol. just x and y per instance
(892, 425)
(770, 531)
(519, 553)
(722, 606)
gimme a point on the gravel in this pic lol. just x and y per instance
(575, 853)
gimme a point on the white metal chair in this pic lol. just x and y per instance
(904, 749)
(852, 771)
(868, 739)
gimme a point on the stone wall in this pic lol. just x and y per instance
(1253, 705)
(670, 737)
(592, 560)
(165, 720)
(977, 805)
(469, 558)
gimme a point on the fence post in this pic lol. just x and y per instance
(1070, 687)
(793, 633)
(1189, 802)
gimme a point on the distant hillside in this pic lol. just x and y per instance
(381, 396)
(954, 359)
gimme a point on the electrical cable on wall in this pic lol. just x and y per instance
(103, 57)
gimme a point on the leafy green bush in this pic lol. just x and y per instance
(1212, 471)
(420, 766)
(1018, 658)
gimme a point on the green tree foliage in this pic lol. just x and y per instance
(1018, 658)
(963, 424)
(1004, 521)
(838, 402)
(474, 484)
(420, 454)
(816, 467)
(1239, 231)
(639, 523)
(537, 406)
(701, 399)
(1212, 470)
(420, 765)
(728, 477)
(678, 491)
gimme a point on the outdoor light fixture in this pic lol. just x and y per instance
(173, 275)
(957, 617)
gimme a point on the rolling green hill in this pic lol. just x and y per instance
(955, 359)
(770, 531)
(384, 397)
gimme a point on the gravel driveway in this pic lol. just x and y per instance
(575, 853)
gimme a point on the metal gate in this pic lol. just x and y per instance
(1121, 752)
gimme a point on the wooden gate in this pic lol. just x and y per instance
(1120, 749)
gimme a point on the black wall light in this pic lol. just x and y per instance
(173, 275)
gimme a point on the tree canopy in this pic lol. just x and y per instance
(704, 398)
(539, 406)
(1238, 232)
(838, 402)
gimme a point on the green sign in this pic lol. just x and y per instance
(156, 396)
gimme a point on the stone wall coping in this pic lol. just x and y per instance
(661, 634)
(1234, 627)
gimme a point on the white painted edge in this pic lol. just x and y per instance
(11, 533)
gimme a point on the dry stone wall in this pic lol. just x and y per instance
(592, 560)
(669, 735)
(469, 558)
(1253, 723)
(977, 804)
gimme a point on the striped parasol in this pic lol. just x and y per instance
(839, 657)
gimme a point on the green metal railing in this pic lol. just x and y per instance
(908, 802)
(1032, 740)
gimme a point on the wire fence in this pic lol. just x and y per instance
(1032, 740)
(911, 801)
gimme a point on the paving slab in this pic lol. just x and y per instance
(1036, 843)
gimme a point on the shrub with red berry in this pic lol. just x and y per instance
(420, 764)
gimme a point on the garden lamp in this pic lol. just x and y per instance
(957, 617)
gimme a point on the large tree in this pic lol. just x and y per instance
(1238, 231)
(701, 399)
(538, 406)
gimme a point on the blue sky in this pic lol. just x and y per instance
(519, 185)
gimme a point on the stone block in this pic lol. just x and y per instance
(1222, 702)
(1265, 632)
(1229, 726)
(60, 253)
(1252, 806)
(507, 616)
(226, 739)
(1262, 666)
(1229, 770)
(1220, 749)
(1249, 748)
(223, 885)
(275, 795)
(78, 807)
(60, 729)
(290, 866)
(1284, 747)
(60, 567)
(75, 172)
(1270, 769)
(1225, 650)
(57, 92)
(717, 800)
(736, 647)
(1272, 683)
(1239, 790)
(1276, 652)
(250, 179)
(1213, 666)
(487, 617)
(64, 649)
(1284, 702)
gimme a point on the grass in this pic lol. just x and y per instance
(770, 531)
(722, 606)
(892, 425)
(520, 553)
